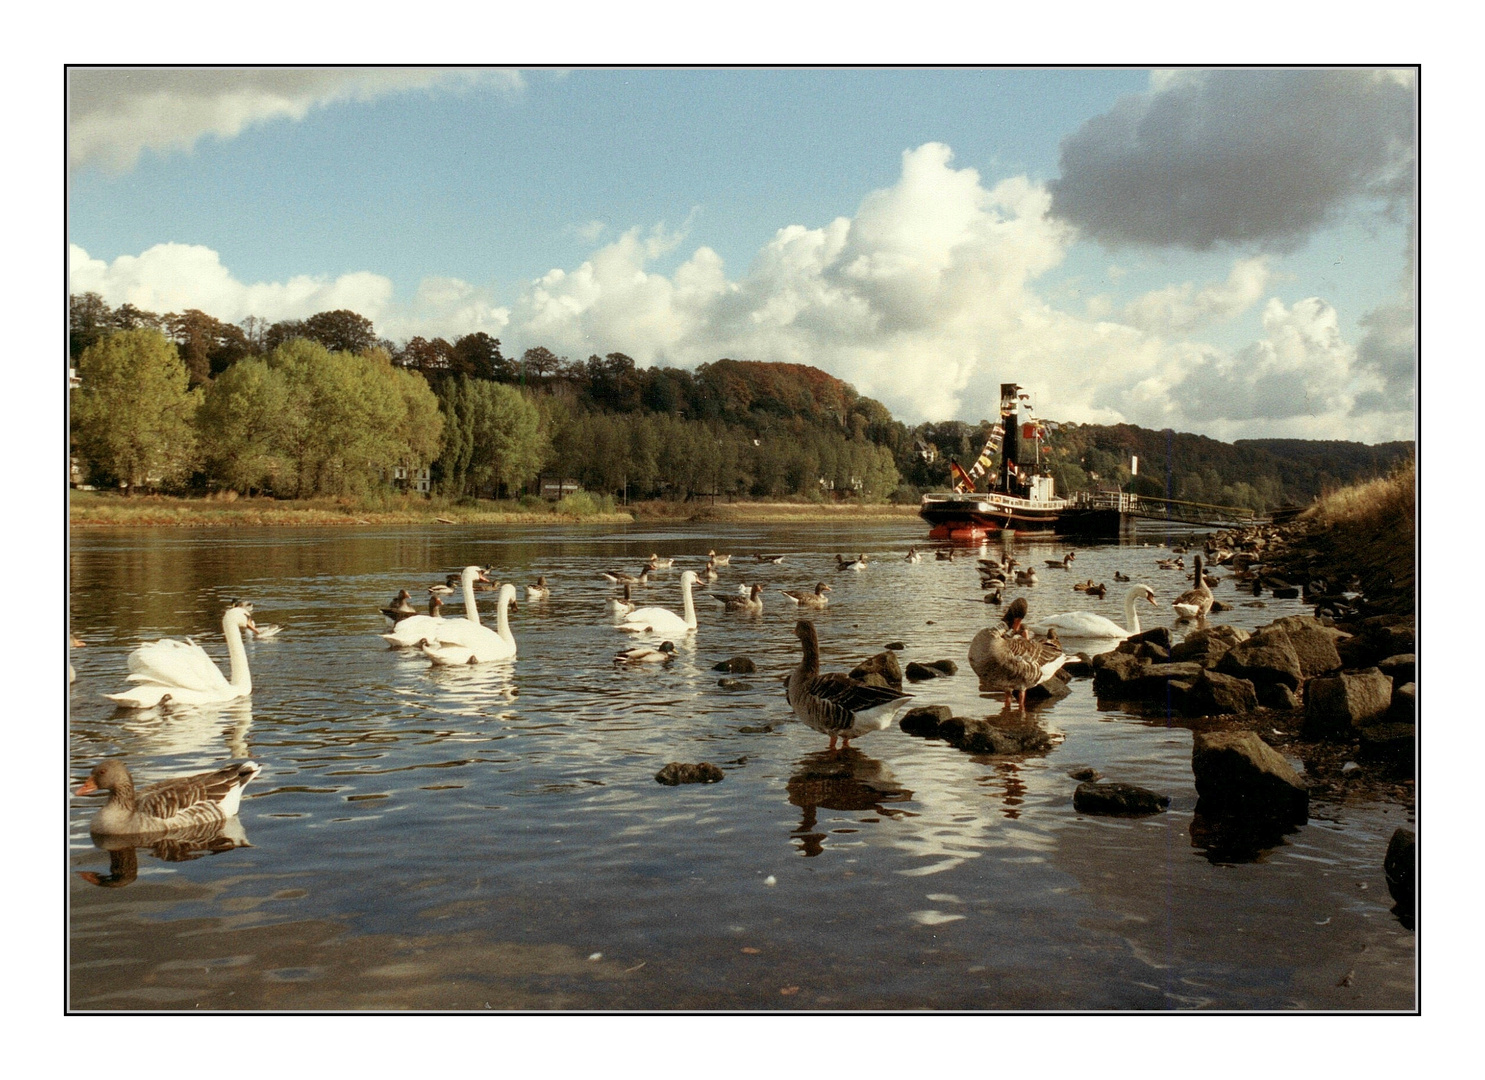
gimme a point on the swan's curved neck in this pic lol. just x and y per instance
(502, 618)
(241, 678)
(1131, 613)
(471, 610)
(688, 609)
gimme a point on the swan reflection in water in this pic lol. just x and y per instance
(181, 846)
(471, 689)
(194, 731)
(844, 780)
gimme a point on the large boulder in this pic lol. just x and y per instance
(1393, 744)
(1054, 689)
(984, 737)
(1400, 865)
(1314, 643)
(1238, 775)
(1153, 682)
(1113, 672)
(1267, 656)
(1115, 798)
(1341, 705)
(1216, 694)
(1207, 646)
(925, 720)
(1156, 635)
(884, 666)
(1404, 706)
(1401, 669)
(917, 672)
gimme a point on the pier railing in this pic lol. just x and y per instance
(1162, 509)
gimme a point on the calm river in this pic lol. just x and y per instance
(494, 837)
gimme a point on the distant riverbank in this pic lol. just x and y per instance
(99, 509)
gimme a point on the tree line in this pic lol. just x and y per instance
(324, 406)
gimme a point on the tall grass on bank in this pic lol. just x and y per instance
(1383, 505)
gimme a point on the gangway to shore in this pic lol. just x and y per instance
(1154, 508)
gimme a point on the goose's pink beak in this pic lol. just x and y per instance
(88, 787)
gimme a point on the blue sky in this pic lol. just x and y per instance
(1221, 252)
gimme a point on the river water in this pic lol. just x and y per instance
(494, 837)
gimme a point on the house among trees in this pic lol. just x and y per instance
(419, 480)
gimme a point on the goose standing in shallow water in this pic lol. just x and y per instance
(1090, 626)
(476, 643)
(1006, 660)
(1194, 603)
(180, 673)
(187, 802)
(751, 604)
(835, 704)
(658, 620)
(816, 599)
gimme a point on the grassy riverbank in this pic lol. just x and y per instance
(89, 509)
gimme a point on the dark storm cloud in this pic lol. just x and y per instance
(1239, 156)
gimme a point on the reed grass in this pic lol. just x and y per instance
(1385, 504)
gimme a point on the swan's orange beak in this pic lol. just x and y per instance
(88, 787)
(481, 577)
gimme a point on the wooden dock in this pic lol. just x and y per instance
(1176, 511)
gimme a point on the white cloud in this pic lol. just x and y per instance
(1181, 308)
(174, 277)
(115, 114)
(926, 299)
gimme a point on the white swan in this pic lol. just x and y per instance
(658, 620)
(180, 672)
(1085, 624)
(477, 644)
(415, 629)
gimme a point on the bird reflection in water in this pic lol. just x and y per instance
(1007, 777)
(192, 730)
(845, 780)
(182, 846)
(470, 689)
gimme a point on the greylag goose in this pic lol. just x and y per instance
(657, 563)
(859, 563)
(720, 560)
(400, 607)
(835, 704)
(1064, 563)
(1006, 661)
(618, 577)
(752, 604)
(708, 572)
(816, 599)
(658, 620)
(187, 802)
(777, 560)
(1026, 577)
(944, 556)
(1083, 586)
(539, 591)
(643, 654)
(913, 556)
(1091, 626)
(1194, 603)
(172, 672)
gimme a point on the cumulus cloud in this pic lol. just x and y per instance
(1182, 308)
(926, 299)
(174, 277)
(115, 114)
(1237, 156)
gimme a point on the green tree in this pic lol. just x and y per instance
(243, 428)
(133, 413)
(492, 437)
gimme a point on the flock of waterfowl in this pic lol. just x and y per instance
(1010, 658)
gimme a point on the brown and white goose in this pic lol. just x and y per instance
(187, 802)
(618, 577)
(1007, 661)
(1064, 563)
(539, 591)
(400, 607)
(816, 599)
(834, 704)
(1194, 603)
(752, 604)
(720, 560)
